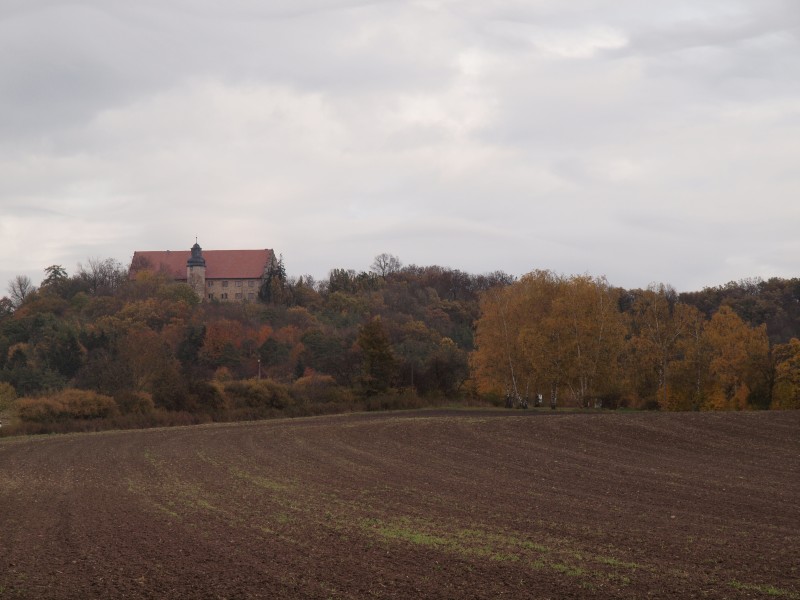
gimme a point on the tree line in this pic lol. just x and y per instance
(132, 350)
(579, 341)
(143, 349)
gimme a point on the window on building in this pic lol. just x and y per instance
(238, 284)
(209, 283)
(238, 295)
(251, 283)
(224, 296)
(211, 296)
(251, 295)
(224, 284)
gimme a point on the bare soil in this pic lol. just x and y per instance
(444, 504)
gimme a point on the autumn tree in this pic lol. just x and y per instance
(498, 356)
(586, 320)
(690, 373)
(302, 291)
(786, 389)
(7, 395)
(222, 343)
(141, 353)
(546, 332)
(740, 359)
(658, 322)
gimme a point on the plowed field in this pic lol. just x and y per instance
(415, 505)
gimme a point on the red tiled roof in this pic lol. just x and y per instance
(220, 264)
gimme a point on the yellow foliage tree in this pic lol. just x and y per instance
(786, 389)
(658, 324)
(509, 338)
(740, 355)
(585, 318)
(142, 351)
(547, 332)
(689, 372)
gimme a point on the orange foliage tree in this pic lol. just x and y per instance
(222, 343)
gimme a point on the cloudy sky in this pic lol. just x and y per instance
(644, 141)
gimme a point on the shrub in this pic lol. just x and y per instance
(39, 409)
(140, 403)
(316, 388)
(223, 374)
(68, 404)
(253, 393)
(207, 396)
(7, 395)
(85, 404)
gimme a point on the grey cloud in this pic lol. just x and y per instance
(28, 211)
(443, 132)
(742, 23)
(65, 64)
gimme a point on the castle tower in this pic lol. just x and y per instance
(196, 271)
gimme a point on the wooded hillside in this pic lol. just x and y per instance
(98, 345)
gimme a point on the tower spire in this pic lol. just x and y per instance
(196, 260)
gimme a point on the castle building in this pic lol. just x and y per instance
(223, 275)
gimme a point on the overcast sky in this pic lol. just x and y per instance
(643, 141)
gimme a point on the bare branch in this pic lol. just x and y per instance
(20, 288)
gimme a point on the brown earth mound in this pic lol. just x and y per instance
(420, 505)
